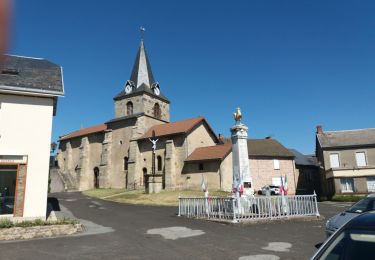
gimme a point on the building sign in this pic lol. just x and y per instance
(13, 159)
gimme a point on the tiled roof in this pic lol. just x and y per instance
(347, 138)
(216, 152)
(267, 148)
(33, 75)
(85, 131)
(178, 127)
(256, 147)
(306, 160)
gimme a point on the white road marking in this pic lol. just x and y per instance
(278, 247)
(70, 200)
(259, 257)
(174, 233)
(96, 203)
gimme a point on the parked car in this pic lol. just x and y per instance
(354, 240)
(340, 219)
(273, 189)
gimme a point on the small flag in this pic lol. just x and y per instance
(281, 184)
(204, 186)
(285, 186)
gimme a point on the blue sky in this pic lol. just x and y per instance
(289, 65)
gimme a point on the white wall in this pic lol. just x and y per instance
(25, 129)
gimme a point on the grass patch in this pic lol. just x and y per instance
(100, 193)
(347, 198)
(164, 198)
(7, 223)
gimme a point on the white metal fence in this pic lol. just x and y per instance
(252, 208)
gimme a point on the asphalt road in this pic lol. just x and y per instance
(134, 233)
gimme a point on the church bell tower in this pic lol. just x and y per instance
(141, 94)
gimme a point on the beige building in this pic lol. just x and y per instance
(120, 154)
(29, 88)
(347, 160)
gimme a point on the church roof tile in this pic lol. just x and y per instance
(84, 131)
(178, 127)
(216, 152)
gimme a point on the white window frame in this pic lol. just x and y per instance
(364, 157)
(276, 164)
(338, 160)
(345, 184)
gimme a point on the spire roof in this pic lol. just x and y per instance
(142, 73)
(141, 78)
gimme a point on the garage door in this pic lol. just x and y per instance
(371, 184)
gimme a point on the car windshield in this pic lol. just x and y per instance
(351, 244)
(364, 205)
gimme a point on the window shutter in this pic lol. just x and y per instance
(360, 158)
(276, 164)
(334, 159)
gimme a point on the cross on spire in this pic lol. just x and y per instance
(142, 29)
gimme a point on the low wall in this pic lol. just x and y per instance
(20, 233)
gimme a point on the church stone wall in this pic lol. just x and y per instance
(93, 160)
(192, 175)
(121, 135)
(142, 104)
(149, 103)
(199, 137)
(120, 106)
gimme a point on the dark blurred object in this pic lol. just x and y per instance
(4, 25)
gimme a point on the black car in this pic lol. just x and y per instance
(354, 240)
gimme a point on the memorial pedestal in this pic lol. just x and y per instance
(154, 183)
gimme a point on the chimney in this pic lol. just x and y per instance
(268, 137)
(221, 139)
(319, 129)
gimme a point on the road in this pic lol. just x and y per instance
(124, 231)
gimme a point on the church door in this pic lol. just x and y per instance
(96, 178)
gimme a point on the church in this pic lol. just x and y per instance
(140, 147)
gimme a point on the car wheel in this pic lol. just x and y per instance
(273, 193)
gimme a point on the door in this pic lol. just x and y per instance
(96, 178)
(8, 179)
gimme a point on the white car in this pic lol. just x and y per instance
(273, 190)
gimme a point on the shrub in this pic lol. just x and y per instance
(7, 223)
(347, 198)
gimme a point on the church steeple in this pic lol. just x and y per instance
(141, 94)
(142, 73)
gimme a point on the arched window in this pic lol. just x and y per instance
(129, 108)
(160, 165)
(126, 161)
(157, 112)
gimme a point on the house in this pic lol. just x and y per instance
(29, 88)
(347, 160)
(119, 153)
(307, 173)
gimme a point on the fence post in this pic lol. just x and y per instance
(316, 205)
(234, 211)
(179, 205)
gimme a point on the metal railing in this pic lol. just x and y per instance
(249, 208)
